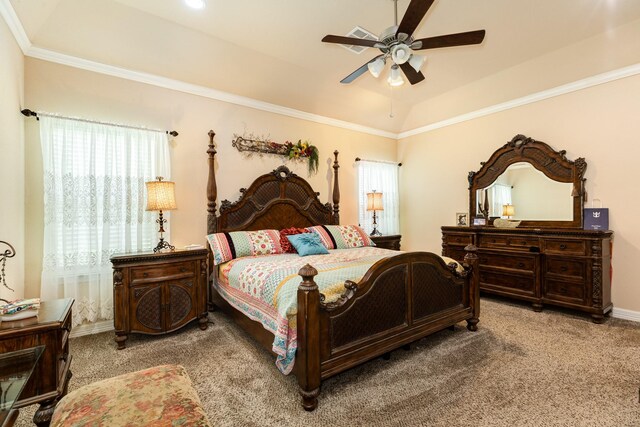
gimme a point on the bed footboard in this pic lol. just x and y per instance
(399, 300)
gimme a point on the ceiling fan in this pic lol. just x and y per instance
(397, 43)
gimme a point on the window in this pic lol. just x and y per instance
(94, 206)
(499, 195)
(383, 178)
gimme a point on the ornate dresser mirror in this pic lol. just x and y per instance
(548, 259)
(543, 187)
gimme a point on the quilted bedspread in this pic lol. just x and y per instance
(265, 288)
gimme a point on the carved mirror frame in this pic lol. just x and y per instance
(554, 164)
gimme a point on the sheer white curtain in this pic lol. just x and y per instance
(499, 194)
(94, 206)
(383, 178)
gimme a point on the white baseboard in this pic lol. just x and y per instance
(621, 313)
(92, 328)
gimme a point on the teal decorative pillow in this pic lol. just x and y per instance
(342, 236)
(238, 244)
(307, 244)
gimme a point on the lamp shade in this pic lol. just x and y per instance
(376, 67)
(416, 61)
(395, 78)
(400, 53)
(374, 201)
(161, 195)
(508, 210)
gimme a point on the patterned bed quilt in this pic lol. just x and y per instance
(265, 288)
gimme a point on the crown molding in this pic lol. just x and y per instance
(15, 26)
(180, 86)
(588, 82)
(167, 83)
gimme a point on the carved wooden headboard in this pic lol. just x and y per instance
(276, 200)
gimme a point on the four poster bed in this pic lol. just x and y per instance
(401, 298)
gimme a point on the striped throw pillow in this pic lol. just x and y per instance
(238, 244)
(342, 236)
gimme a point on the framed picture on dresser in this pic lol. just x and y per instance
(462, 219)
(479, 221)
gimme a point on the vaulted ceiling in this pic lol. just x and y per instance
(271, 50)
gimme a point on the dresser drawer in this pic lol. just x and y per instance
(564, 291)
(566, 247)
(493, 241)
(575, 269)
(511, 283)
(458, 239)
(523, 242)
(166, 271)
(516, 262)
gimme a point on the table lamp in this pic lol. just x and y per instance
(508, 211)
(374, 203)
(161, 196)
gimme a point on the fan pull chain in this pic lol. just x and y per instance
(391, 102)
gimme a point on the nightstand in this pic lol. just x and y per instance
(387, 242)
(51, 374)
(157, 293)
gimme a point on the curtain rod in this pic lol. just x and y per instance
(31, 113)
(377, 161)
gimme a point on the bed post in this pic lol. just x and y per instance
(336, 190)
(308, 353)
(471, 259)
(212, 226)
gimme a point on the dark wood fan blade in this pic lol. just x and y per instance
(449, 40)
(412, 75)
(357, 73)
(414, 14)
(351, 41)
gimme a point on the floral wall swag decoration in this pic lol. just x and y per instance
(294, 151)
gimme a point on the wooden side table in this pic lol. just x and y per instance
(51, 375)
(157, 293)
(387, 242)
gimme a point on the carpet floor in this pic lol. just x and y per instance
(520, 369)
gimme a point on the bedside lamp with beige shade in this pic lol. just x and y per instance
(161, 197)
(374, 204)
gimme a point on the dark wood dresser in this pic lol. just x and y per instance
(544, 256)
(387, 242)
(562, 267)
(49, 381)
(156, 293)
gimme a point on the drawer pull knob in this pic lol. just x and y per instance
(182, 270)
(145, 274)
(563, 290)
(523, 243)
(521, 264)
(563, 268)
(563, 246)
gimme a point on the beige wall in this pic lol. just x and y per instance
(12, 178)
(599, 123)
(68, 91)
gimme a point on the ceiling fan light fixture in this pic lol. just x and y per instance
(400, 53)
(376, 67)
(395, 78)
(417, 61)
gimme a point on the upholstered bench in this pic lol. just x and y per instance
(160, 396)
